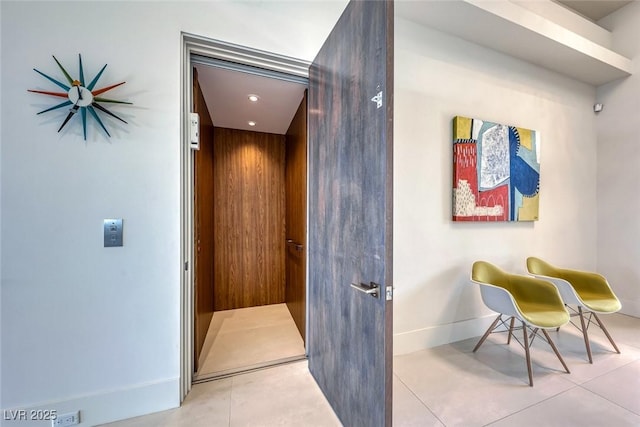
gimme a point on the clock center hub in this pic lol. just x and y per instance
(80, 96)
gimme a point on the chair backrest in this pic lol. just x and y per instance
(542, 268)
(485, 272)
(586, 284)
(529, 294)
(522, 288)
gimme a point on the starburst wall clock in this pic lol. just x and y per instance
(81, 97)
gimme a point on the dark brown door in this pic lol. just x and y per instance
(350, 214)
(203, 223)
(296, 216)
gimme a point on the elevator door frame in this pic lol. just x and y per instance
(197, 49)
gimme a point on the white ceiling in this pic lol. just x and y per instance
(594, 9)
(226, 91)
(226, 94)
(502, 27)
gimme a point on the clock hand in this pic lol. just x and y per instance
(79, 92)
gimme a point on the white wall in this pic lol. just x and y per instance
(436, 78)
(618, 161)
(86, 327)
(1, 97)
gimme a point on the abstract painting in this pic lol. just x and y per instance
(496, 171)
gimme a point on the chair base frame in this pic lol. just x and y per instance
(529, 334)
(585, 322)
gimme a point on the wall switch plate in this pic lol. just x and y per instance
(65, 420)
(194, 131)
(113, 232)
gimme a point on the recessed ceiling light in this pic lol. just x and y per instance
(251, 123)
(253, 98)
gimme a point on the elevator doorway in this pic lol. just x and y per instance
(250, 220)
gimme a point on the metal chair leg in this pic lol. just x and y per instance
(526, 352)
(555, 350)
(585, 334)
(486, 334)
(513, 319)
(605, 332)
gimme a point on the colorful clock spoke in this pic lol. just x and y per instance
(62, 85)
(84, 123)
(55, 107)
(69, 79)
(95, 116)
(95, 79)
(101, 108)
(72, 112)
(81, 96)
(112, 101)
(44, 92)
(104, 89)
(81, 71)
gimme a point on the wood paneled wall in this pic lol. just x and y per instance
(249, 227)
(296, 216)
(203, 223)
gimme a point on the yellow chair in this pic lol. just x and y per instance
(583, 289)
(535, 303)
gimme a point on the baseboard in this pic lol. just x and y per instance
(101, 408)
(420, 339)
(630, 307)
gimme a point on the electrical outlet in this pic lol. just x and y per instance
(64, 420)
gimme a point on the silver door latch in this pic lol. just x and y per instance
(378, 99)
(371, 289)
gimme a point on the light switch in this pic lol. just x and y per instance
(112, 232)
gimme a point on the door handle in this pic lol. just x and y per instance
(370, 289)
(298, 246)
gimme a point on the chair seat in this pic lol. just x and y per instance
(540, 316)
(601, 305)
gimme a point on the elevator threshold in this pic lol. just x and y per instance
(246, 369)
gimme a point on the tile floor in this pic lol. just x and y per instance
(446, 386)
(249, 337)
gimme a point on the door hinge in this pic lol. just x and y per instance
(389, 293)
(186, 266)
(378, 99)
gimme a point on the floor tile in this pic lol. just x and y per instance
(285, 395)
(571, 346)
(575, 407)
(408, 410)
(206, 405)
(621, 386)
(462, 388)
(622, 328)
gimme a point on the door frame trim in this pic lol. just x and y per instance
(246, 57)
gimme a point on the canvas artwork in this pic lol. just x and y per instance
(496, 171)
